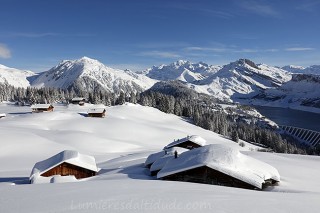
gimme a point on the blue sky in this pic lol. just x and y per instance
(136, 34)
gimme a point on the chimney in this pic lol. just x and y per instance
(175, 154)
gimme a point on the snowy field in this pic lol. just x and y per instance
(120, 143)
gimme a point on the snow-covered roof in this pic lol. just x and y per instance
(160, 162)
(193, 138)
(78, 99)
(40, 106)
(155, 156)
(224, 159)
(2, 115)
(66, 156)
(96, 110)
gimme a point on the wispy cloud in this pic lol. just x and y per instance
(260, 8)
(160, 54)
(309, 6)
(44, 34)
(246, 51)
(4, 51)
(293, 49)
(196, 7)
(211, 49)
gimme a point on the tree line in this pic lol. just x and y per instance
(196, 107)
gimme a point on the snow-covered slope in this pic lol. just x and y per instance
(301, 90)
(242, 78)
(15, 77)
(314, 69)
(181, 70)
(88, 74)
(120, 144)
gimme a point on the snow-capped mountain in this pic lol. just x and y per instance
(240, 79)
(88, 74)
(302, 89)
(314, 69)
(15, 77)
(181, 70)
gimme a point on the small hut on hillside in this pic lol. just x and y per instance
(2, 115)
(65, 163)
(219, 165)
(42, 108)
(97, 112)
(78, 100)
(189, 142)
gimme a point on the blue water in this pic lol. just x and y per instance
(291, 117)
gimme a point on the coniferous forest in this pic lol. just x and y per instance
(175, 98)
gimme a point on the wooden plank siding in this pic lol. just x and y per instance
(50, 109)
(97, 115)
(207, 175)
(65, 169)
(187, 145)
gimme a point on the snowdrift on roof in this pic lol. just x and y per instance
(67, 156)
(224, 159)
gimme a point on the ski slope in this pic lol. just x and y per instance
(120, 142)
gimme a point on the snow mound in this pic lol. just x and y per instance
(224, 159)
(170, 151)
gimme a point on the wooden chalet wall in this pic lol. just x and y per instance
(188, 145)
(97, 115)
(50, 109)
(65, 169)
(208, 176)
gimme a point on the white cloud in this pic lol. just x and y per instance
(4, 51)
(259, 8)
(160, 54)
(212, 49)
(293, 49)
(45, 34)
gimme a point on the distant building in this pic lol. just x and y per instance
(78, 100)
(189, 142)
(65, 163)
(2, 115)
(42, 108)
(219, 165)
(97, 112)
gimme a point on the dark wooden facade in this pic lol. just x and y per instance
(49, 109)
(187, 145)
(79, 101)
(207, 175)
(66, 169)
(97, 115)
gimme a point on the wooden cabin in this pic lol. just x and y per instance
(219, 164)
(189, 142)
(78, 100)
(2, 115)
(208, 175)
(65, 163)
(97, 112)
(42, 108)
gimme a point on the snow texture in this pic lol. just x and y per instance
(223, 159)
(89, 74)
(15, 77)
(120, 145)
